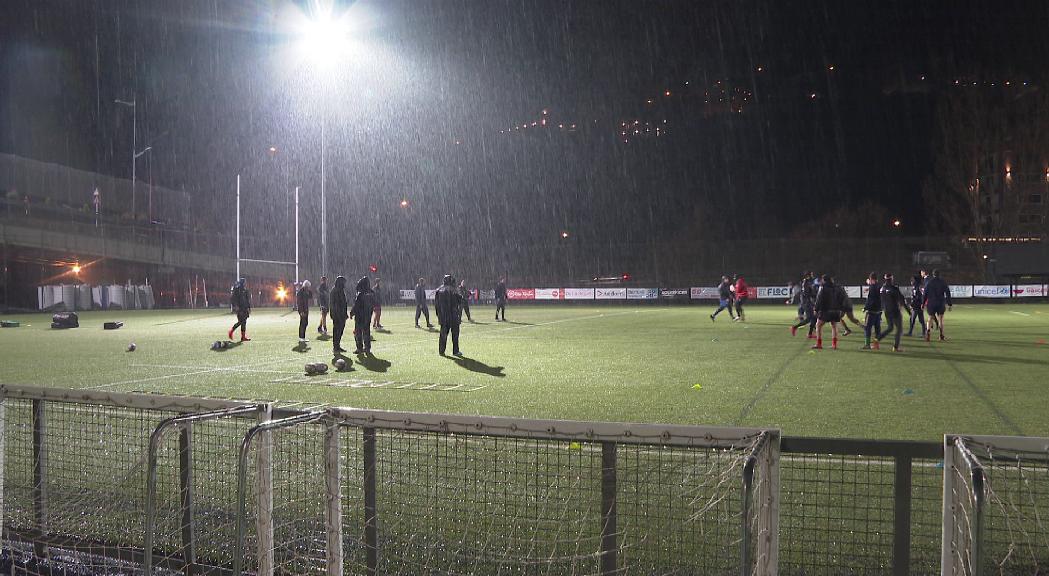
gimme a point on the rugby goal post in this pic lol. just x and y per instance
(294, 263)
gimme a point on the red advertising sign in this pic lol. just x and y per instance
(520, 293)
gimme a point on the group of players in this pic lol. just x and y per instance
(450, 303)
(822, 301)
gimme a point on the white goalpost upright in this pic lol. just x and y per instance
(294, 263)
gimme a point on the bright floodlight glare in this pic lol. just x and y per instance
(282, 293)
(324, 38)
(76, 269)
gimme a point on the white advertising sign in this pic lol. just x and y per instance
(579, 293)
(988, 291)
(407, 294)
(705, 293)
(642, 293)
(777, 292)
(610, 293)
(965, 291)
(1029, 290)
(549, 294)
(855, 291)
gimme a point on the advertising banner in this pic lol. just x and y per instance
(520, 293)
(1029, 290)
(964, 291)
(988, 291)
(549, 294)
(407, 294)
(770, 292)
(705, 293)
(579, 293)
(487, 294)
(674, 293)
(855, 291)
(610, 293)
(642, 293)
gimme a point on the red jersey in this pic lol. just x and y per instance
(742, 289)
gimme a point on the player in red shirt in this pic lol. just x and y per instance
(741, 298)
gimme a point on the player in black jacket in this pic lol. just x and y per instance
(448, 304)
(724, 298)
(829, 306)
(916, 302)
(241, 300)
(807, 309)
(872, 310)
(323, 303)
(465, 293)
(339, 313)
(421, 309)
(891, 302)
(363, 306)
(500, 299)
(302, 305)
(937, 301)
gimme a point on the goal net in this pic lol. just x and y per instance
(446, 494)
(996, 505)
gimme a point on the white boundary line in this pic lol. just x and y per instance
(419, 341)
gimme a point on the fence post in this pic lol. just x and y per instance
(185, 462)
(371, 535)
(3, 436)
(40, 473)
(947, 534)
(745, 532)
(901, 541)
(333, 490)
(609, 559)
(264, 495)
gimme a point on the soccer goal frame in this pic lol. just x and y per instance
(407, 491)
(995, 505)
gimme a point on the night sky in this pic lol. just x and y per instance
(777, 112)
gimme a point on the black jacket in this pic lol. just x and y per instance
(891, 299)
(339, 307)
(302, 300)
(449, 305)
(241, 300)
(322, 295)
(829, 299)
(724, 292)
(873, 303)
(500, 291)
(937, 292)
(420, 294)
(808, 293)
(917, 294)
(364, 303)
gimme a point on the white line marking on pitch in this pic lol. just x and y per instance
(277, 361)
(1019, 313)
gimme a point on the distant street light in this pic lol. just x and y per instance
(896, 223)
(76, 268)
(404, 203)
(564, 234)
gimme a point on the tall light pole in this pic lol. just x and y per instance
(134, 151)
(324, 213)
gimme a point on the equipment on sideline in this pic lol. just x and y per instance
(65, 320)
(9, 324)
(316, 368)
(112, 325)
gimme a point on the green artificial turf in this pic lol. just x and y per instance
(623, 363)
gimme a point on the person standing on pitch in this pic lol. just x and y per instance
(847, 309)
(448, 303)
(937, 301)
(872, 311)
(241, 300)
(421, 309)
(339, 313)
(378, 303)
(363, 306)
(500, 299)
(742, 295)
(302, 305)
(891, 302)
(724, 298)
(466, 299)
(828, 309)
(807, 308)
(322, 303)
(916, 303)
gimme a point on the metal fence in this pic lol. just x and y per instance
(139, 483)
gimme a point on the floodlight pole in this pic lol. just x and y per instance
(324, 214)
(296, 234)
(238, 227)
